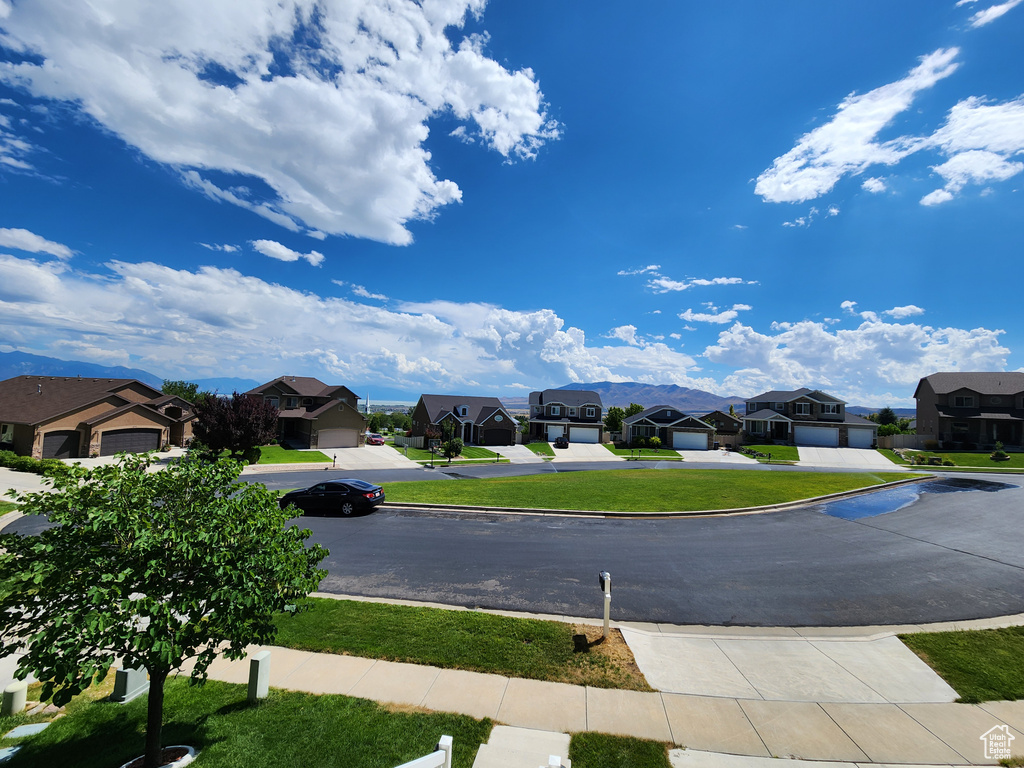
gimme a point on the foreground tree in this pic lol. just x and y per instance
(186, 390)
(239, 424)
(634, 409)
(153, 568)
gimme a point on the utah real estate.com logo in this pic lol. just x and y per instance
(997, 742)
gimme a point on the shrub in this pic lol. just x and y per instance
(655, 443)
(252, 455)
(948, 463)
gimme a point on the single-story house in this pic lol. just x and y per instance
(65, 417)
(575, 414)
(312, 414)
(671, 426)
(477, 420)
(806, 417)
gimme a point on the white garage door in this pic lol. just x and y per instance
(584, 435)
(690, 441)
(555, 432)
(337, 438)
(824, 436)
(860, 438)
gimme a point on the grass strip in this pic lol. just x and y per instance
(646, 454)
(640, 490)
(541, 448)
(777, 452)
(473, 452)
(480, 642)
(285, 730)
(277, 454)
(980, 665)
(7, 506)
(599, 750)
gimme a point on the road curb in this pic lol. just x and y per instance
(658, 515)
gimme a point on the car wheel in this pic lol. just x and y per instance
(347, 507)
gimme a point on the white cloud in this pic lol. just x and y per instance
(214, 322)
(847, 143)
(223, 248)
(663, 284)
(714, 315)
(900, 312)
(219, 90)
(874, 185)
(833, 210)
(739, 226)
(23, 240)
(275, 250)
(360, 291)
(990, 14)
(639, 271)
(626, 333)
(858, 365)
(848, 306)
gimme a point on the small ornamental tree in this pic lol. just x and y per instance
(613, 419)
(452, 448)
(152, 568)
(887, 416)
(239, 424)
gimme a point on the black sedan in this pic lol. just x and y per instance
(333, 496)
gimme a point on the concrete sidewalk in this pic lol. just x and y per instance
(845, 458)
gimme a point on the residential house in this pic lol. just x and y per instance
(312, 414)
(727, 428)
(73, 417)
(476, 420)
(575, 414)
(806, 417)
(671, 426)
(972, 408)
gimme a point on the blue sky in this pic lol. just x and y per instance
(491, 198)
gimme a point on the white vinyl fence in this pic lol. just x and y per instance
(915, 442)
(440, 758)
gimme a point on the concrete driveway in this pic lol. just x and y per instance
(716, 457)
(371, 457)
(585, 452)
(847, 458)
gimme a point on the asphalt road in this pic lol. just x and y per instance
(947, 556)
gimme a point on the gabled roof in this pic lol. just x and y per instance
(302, 386)
(722, 414)
(986, 383)
(143, 408)
(36, 399)
(785, 396)
(573, 398)
(648, 413)
(478, 409)
(766, 414)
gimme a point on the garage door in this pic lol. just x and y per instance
(861, 438)
(824, 436)
(338, 438)
(129, 441)
(498, 437)
(60, 445)
(584, 435)
(690, 441)
(555, 432)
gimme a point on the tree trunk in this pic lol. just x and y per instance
(154, 718)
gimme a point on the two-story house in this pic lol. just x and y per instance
(972, 408)
(479, 420)
(312, 414)
(574, 414)
(727, 428)
(671, 426)
(806, 417)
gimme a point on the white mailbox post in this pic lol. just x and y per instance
(605, 579)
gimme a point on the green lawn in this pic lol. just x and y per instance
(7, 506)
(778, 452)
(285, 730)
(599, 750)
(277, 454)
(982, 459)
(541, 448)
(662, 454)
(482, 642)
(468, 452)
(640, 490)
(980, 665)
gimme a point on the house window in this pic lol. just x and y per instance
(463, 410)
(963, 401)
(757, 427)
(307, 401)
(830, 409)
(6, 433)
(556, 410)
(591, 412)
(961, 429)
(273, 401)
(802, 409)
(291, 402)
(572, 411)
(780, 407)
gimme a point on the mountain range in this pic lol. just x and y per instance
(620, 393)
